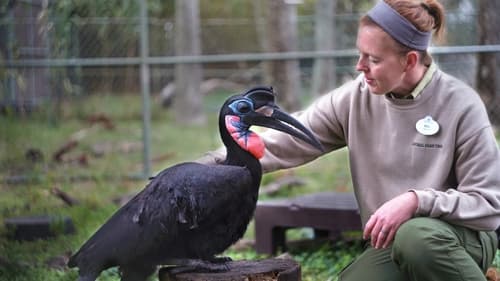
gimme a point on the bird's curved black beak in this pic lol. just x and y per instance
(274, 118)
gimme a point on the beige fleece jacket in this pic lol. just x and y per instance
(455, 173)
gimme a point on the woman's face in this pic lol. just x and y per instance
(383, 67)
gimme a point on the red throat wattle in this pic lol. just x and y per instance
(246, 139)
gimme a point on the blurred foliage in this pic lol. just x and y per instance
(327, 260)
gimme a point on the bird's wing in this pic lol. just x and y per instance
(177, 199)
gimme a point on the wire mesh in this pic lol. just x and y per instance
(48, 31)
(34, 31)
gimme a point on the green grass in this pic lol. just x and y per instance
(105, 178)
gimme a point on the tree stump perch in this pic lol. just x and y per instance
(260, 270)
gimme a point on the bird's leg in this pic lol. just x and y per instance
(198, 265)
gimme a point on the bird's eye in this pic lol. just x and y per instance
(241, 106)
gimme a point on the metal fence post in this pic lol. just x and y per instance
(145, 88)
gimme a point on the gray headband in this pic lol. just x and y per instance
(399, 27)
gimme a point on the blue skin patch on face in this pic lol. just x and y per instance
(242, 106)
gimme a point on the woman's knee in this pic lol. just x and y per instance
(422, 241)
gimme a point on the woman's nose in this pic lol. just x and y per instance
(361, 65)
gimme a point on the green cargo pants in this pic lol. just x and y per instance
(426, 249)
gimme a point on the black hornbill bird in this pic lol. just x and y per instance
(191, 212)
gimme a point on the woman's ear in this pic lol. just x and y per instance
(411, 60)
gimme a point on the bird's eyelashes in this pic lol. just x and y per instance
(241, 106)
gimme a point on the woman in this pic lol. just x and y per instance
(424, 160)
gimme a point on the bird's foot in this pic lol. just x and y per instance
(220, 259)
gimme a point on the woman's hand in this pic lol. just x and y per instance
(383, 224)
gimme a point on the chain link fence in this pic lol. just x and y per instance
(54, 50)
(31, 31)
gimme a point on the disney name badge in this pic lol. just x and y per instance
(427, 126)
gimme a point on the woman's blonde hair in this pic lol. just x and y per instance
(425, 15)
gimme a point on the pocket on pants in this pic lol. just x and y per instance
(489, 245)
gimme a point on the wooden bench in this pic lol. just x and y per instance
(328, 213)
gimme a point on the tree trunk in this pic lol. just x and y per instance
(281, 36)
(188, 100)
(487, 70)
(324, 34)
(269, 269)
(259, 11)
